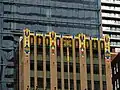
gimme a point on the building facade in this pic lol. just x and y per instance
(61, 16)
(115, 64)
(64, 62)
(111, 22)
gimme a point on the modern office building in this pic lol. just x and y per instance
(111, 22)
(64, 62)
(61, 16)
(115, 64)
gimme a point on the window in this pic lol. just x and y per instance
(58, 66)
(58, 47)
(116, 67)
(88, 68)
(103, 69)
(77, 68)
(96, 85)
(66, 83)
(71, 67)
(71, 84)
(32, 82)
(48, 83)
(95, 49)
(96, 69)
(40, 82)
(104, 85)
(78, 84)
(117, 83)
(40, 65)
(114, 70)
(31, 65)
(59, 84)
(47, 65)
(89, 84)
(65, 67)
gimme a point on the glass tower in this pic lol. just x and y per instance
(62, 16)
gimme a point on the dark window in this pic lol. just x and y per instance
(77, 68)
(10, 84)
(77, 52)
(70, 52)
(65, 67)
(96, 69)
(66, 83)
(48, 83)
(32, 81)
(96, 85)
(95, 54)
(47, 65)
(32, 50)
(102, 45)
(95, 48)
(31, 40)
(71, 67)
(58, 66)
(40, 82)
(71, 85)
(8, 38)
(94, 44)
(58, 51)
(40, 47)
(89, 85)
(104, 85)
(31, 65)
(59, 84)
(40, 65)
(87, 44)
(78, 84)
(102, 50)
(88, 68)
(65, 51)
(47, 43)
(39, 41)
(103, 69)
(58, 46)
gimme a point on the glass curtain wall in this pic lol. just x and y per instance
(61, 16)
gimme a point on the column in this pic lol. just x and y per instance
(62, 64)
(82, 58)
(53, 62)
(68, 67)
(108, 62)
(74, 64)
(91, 65)
(44, 64)
(100, 64)
(26, 60)
(35, 63)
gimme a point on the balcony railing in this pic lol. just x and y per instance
(112, 22)
(110, 1)
(111, 15)
(115, 44)
(110, 8)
